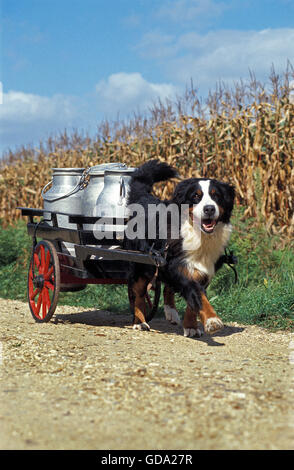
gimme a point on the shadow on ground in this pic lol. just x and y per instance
(102, 318)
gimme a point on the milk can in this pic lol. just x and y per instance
(100, 191)
(113, 198)
(95, 177)
(64, 194)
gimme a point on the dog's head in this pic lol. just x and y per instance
(210, 201)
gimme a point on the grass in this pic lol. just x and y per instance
(263, 295)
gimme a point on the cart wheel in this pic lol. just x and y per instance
(43, 281)
(151, 299)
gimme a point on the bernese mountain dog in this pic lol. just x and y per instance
(193, 256)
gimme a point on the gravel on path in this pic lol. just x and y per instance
(87, 380)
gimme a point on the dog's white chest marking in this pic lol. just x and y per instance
(203, 250)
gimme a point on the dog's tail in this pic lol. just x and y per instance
(146, 175)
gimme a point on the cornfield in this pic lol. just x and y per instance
(249, 143)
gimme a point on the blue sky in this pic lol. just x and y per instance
(71, 63)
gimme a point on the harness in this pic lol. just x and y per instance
(230, 259)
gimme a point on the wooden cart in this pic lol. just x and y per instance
(91, 261)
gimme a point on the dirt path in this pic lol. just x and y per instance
(86, 380)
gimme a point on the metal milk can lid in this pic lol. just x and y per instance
(100, 169)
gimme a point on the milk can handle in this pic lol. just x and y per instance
(80, 185)
(46, 186)
(122, 191)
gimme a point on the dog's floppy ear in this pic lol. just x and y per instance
(228, 192)
(184, 191)
(180, 193)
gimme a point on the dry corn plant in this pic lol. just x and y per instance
(245, 137)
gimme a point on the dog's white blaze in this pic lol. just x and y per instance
(198, 211)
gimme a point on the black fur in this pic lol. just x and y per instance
(145, 177)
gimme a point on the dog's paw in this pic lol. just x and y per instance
(212, 325)
(171, 315)
(141, 326)
(192, 332)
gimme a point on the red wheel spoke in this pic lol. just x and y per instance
(36, 259)
(38, 304)
(42, 251)
(46, 298)
(48, 257)
(48, 274)
(34, 293)
(44, 303)
(49, 285)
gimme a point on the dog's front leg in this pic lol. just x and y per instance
(208, 317)
(190, 325)
(170, 311)
(201, 305)
(139, 289)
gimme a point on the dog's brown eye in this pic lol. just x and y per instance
(197, 198)
(215, 196)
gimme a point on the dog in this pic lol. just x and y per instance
(192, 257)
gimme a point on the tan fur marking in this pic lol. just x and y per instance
(207, 310)
(169, 297)
(208, 318)
(190, 318)
(139, 289)
(196, 275)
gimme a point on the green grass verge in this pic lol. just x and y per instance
(264, 294)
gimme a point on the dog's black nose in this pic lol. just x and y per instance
(209, 210)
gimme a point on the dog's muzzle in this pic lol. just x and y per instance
(209, 218)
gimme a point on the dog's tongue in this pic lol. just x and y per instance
(208, 225)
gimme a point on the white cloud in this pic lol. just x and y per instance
(27, 107)
(27, 117)
(219, 55)
(229, 55)
(125, 92)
